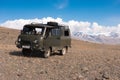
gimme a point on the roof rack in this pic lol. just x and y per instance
(35, 23)
(52, 23)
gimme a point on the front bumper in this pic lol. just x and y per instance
(29, 46)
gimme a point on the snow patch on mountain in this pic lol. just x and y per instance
(113, 38)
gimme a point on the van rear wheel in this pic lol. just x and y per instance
(63, 51)
(47, 53)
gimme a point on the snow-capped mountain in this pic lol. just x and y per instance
(113, 38)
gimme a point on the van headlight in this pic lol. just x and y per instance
(19, 39)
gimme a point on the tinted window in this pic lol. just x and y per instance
(66, 33)
(55, 32)
(26, 29)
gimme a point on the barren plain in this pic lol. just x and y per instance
(84, 61)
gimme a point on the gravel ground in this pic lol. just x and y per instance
(84, 61)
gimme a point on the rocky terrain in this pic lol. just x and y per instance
(84, 61)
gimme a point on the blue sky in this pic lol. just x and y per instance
(104, 12)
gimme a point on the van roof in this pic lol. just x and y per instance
(48, 25)
(39, 26)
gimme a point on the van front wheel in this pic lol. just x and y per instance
(63, 51)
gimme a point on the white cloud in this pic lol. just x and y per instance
(75, 26)
(79, 26)
(19, 23)
(106, 30)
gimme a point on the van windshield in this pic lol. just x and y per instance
(34, 30)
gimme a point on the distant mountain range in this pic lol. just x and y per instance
(113, 38)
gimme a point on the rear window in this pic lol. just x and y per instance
(66, 33)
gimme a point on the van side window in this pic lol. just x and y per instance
(55, 32)
(66, 33)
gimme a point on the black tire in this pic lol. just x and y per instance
(63, 51)
(47, 53)
(26, 52)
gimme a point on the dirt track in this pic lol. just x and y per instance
(84, 61)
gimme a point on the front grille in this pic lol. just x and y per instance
(26, 42)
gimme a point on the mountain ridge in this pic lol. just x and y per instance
(113, 38)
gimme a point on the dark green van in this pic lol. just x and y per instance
(45, 38)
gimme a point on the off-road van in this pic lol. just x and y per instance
(45, 38)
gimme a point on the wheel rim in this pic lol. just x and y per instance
(47, 54)
(64, 51)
